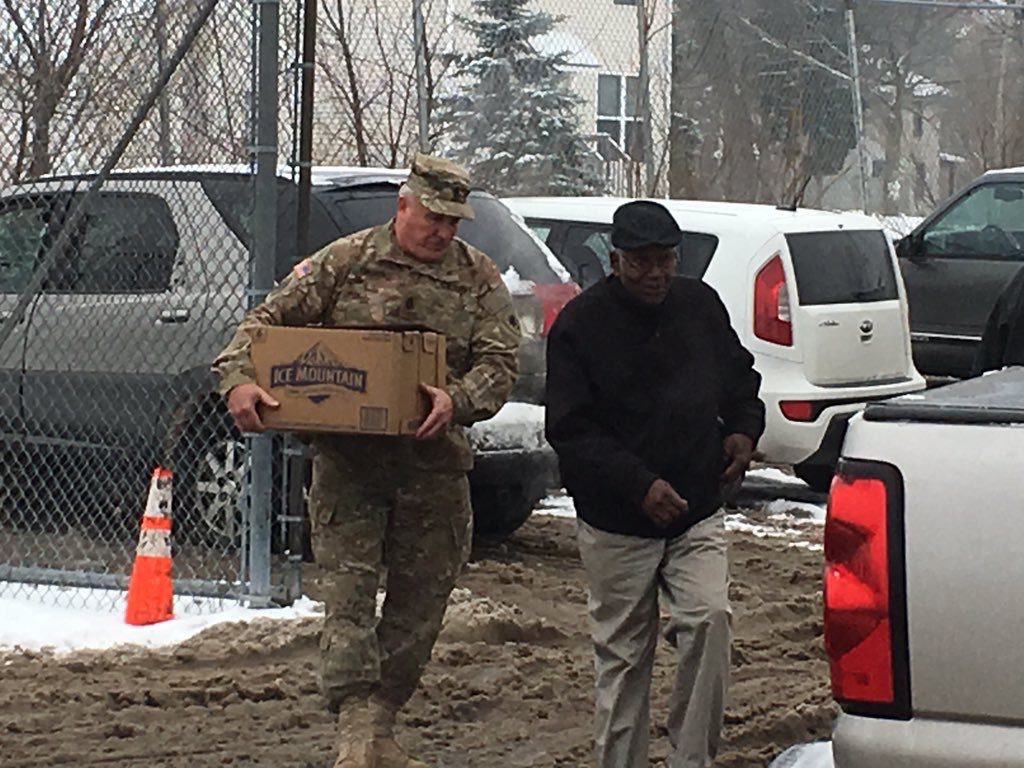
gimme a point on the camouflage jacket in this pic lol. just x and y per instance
(366, 279)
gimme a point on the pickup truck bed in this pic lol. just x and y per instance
(925, 582)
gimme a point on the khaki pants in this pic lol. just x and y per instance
(370, 513)
(625, 575)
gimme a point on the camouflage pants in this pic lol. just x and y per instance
(372, 515)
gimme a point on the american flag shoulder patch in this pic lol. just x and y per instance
(303, 268)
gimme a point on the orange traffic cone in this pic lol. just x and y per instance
(150, 596)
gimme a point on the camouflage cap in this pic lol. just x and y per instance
(441, 185)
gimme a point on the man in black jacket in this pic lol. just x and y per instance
(652, 407)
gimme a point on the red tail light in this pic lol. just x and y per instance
(553, 297)
(797, 410)
(865, 632)
(772, 319)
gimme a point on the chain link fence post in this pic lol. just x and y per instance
(264, 243)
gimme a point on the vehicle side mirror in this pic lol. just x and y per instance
(909, 247)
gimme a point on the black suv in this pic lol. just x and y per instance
(955, 263)
(107, 373)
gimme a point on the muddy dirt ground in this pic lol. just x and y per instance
(509, 684)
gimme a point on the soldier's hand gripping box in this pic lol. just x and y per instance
(347, 379)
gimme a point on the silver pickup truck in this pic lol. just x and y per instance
(924, 580)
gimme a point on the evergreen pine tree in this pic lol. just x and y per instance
(514, 122)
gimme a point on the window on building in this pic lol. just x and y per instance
(877, 168)
(617, 100)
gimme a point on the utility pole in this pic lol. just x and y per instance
(643, 97)
(420, 42)
(858, 103)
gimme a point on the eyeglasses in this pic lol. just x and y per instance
(663, 262)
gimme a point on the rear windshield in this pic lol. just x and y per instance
(586, 251)
(842, 267)
(493, 230)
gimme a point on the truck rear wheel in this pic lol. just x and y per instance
(499, 510)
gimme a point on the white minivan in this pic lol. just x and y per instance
(817, 297)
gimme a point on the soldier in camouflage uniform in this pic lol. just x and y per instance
(398, 504)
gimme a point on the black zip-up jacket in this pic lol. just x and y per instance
(636, 393)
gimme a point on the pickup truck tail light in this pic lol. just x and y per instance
(865, 598)
(772, 316)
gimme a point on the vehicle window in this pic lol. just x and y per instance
(21, 236)
(232, 196)
(587, 253)
(696, 250)
(543, 231)
(358, 209)
(493, 230)
(842, 267)
(987, 222)
(126, 243)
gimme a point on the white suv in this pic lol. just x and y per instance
(817, 297)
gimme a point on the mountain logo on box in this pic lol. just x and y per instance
(318, 374)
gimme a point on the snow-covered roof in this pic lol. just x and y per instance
(578, 56)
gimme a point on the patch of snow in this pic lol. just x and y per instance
(515, 284)
(792, 520)
(32, 624)
(556, 506)
(781, 527)
(784, 508)
(775, 475)
(517, 426)
(816, 755)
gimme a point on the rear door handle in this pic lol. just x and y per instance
(169, 316)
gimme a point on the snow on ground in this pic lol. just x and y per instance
(796, 521)
(816, 755)
(775, 475)
(83, 618)
(556, 506)
(784, 509)
(32, 624)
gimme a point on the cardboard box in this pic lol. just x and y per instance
(356, 380)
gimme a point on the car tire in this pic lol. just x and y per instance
(817, 476)
(499, 510)
(209, 469)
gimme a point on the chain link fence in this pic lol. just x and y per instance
(130, 242)
(125, 260)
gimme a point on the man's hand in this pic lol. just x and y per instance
(662, 504)
(739, 450)
(441, 411)
(242, 403)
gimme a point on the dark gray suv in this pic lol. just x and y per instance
(955, 263)
(107, 373)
